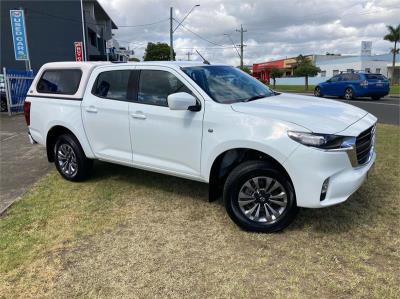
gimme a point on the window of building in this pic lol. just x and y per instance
(155, 86)
(63, 81)
(92, 37)
(323, 73)
(112, 85)
(350, 70)
(378, 70)
(335, 72)
(367, 70)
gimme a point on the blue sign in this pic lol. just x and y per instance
(19, 35)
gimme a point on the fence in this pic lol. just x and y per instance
(17, 84)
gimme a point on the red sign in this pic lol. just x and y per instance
(78, 51)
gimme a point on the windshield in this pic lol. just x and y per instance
(226, 84)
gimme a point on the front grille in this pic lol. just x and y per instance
(364, 145)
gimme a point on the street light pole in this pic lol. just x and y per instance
(171, 30)
(171, 35)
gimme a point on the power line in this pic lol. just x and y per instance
(143, 25)
(198, 35)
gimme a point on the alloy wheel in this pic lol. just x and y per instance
(317, 92)
(348, 95)
(67, 160)
(262, 199)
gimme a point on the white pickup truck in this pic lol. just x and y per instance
(267, 153)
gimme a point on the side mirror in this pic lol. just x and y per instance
(181, 101)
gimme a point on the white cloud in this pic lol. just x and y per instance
(275, 28)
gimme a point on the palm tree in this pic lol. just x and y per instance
(394, 37)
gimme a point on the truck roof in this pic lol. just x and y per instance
(88, 66)
(92, 64)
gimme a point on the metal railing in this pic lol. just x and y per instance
(17, 84)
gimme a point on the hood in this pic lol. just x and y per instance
(315, 114)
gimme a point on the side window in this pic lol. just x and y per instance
(62, 81)
(155, 86)
(334, 78)
(112, 85)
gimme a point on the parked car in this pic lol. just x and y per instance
(354, 84)
(266, 153)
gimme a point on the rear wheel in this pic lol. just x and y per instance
(70, 159)
(259, 198)
(348, 94)
(376, 98)
(317, 92)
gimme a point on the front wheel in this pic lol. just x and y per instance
(348, 94)
(259, 198)
(70, 159)
(317, 92)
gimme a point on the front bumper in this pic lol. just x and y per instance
(309, 168)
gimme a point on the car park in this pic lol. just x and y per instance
(351, 85)
(266, 153)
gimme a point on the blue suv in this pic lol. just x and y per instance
(353, 85)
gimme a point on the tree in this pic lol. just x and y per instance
(245, 69)
(305, 68)
(275, 73)
(134, 59)
(394, 37)
(156, 52)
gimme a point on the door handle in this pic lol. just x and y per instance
(91, 109)
(139, 115)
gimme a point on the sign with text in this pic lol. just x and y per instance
(19, 34)
(78, 51)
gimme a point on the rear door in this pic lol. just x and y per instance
(163, 139)
(105, 114)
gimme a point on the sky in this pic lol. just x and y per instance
(275, 28)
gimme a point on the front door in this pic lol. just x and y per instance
(105, 114)
(164, 139)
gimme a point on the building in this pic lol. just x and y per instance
(52, 27)
(380, 64)
(262, 70)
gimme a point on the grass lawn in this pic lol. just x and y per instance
(292, 88)
(394, 90)
(130, 233)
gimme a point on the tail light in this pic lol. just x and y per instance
(364, 83)
(27, 112)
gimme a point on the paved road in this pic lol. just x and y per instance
(387, 110)
(21, 164)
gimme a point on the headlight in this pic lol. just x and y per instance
(323, 141)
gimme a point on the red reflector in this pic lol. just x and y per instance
(27, 112)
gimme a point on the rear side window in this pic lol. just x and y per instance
(113, 85)
(375, 77)
(155, 86)
(59, 81)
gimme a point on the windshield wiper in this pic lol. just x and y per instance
(260, 96)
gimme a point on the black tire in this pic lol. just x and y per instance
(235, 182)
(3, 104)
(67, 148)
(317, 92)
(349, 94)
(376, 98)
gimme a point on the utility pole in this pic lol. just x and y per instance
(188, 54)
(241, 44)
(171, 32)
